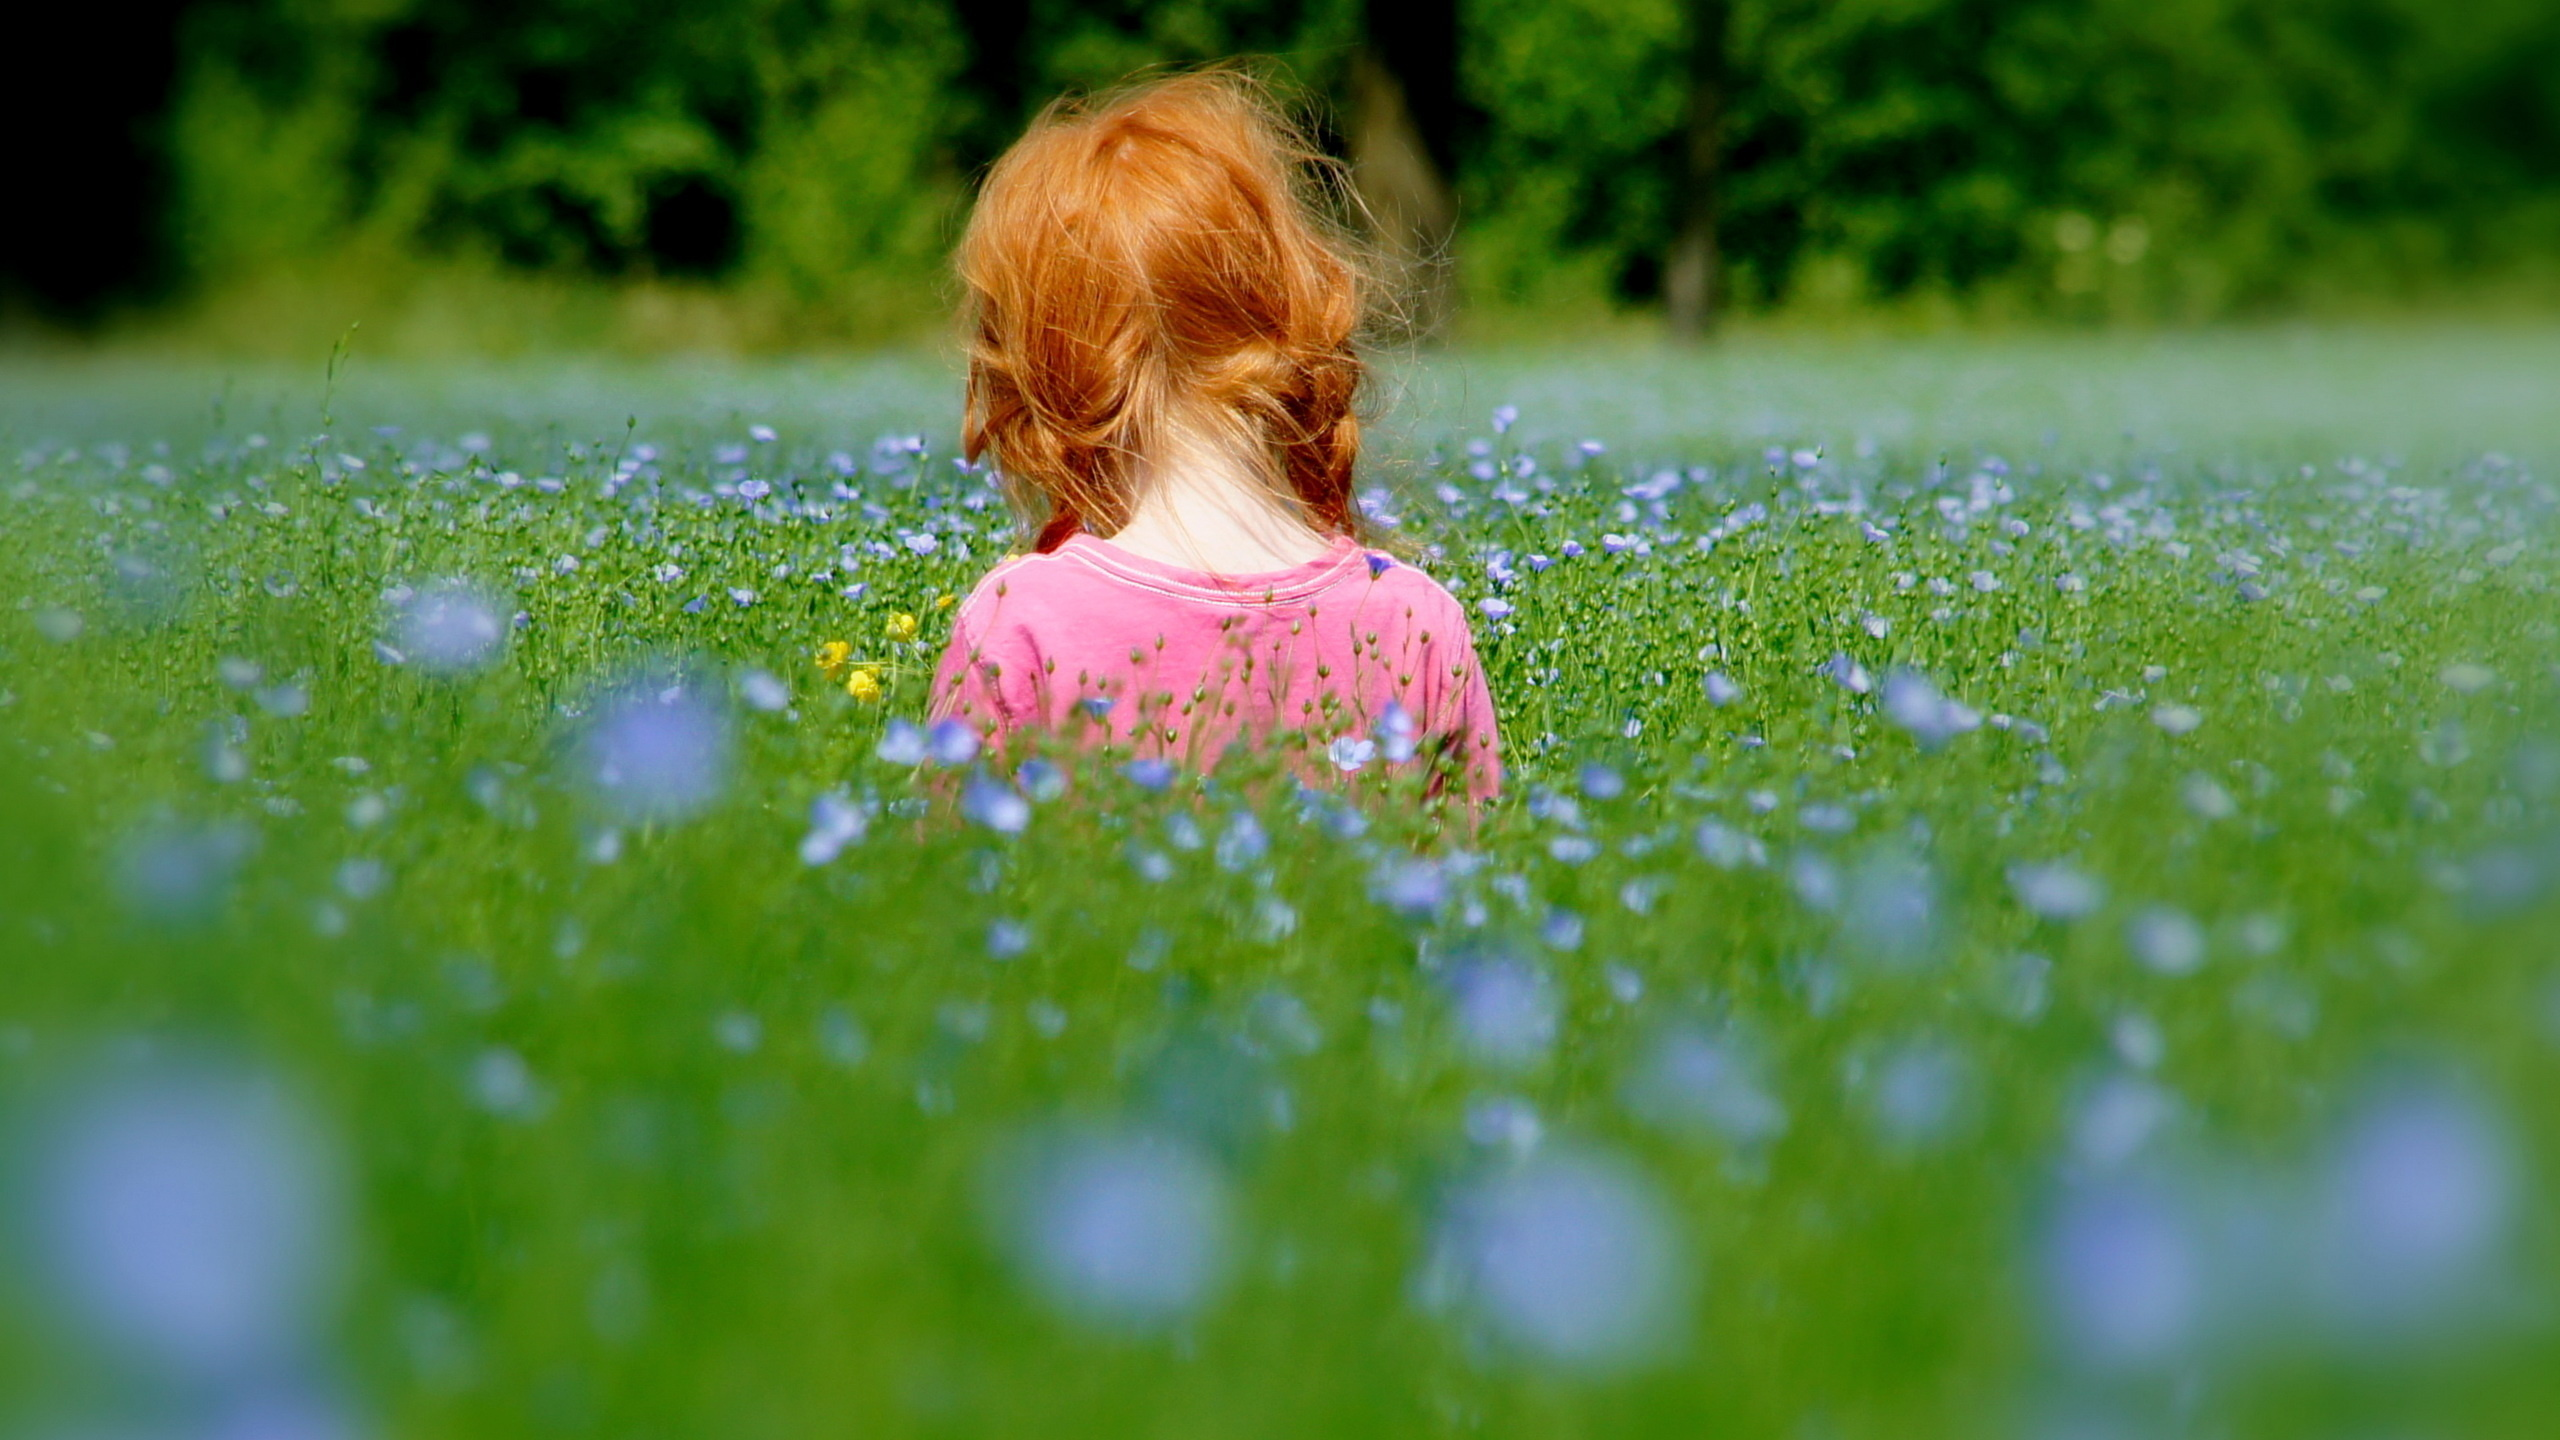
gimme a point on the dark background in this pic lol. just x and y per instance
(2090, 159)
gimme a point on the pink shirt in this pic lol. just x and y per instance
(1358, 650)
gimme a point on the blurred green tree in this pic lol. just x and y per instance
(2088, 158)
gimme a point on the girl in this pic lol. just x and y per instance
(1162, 371)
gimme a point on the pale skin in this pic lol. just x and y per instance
(1202, 504)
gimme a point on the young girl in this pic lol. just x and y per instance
(1162, 370)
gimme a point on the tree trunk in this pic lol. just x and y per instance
(1401, 112)
(1691, 289)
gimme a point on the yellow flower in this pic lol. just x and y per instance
(943, 600)
(863, 684)
(832, 657)
(902, 626)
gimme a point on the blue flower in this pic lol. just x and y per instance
(991, 802)
(1041, 780)
(902, 743)
(951, 742)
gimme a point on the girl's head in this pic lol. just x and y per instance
(1153, 270)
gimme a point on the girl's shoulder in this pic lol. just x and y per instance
(1029, 571)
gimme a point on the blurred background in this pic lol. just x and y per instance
(744, 176)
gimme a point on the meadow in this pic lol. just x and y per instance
(2023, 905)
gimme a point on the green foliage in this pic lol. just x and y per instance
(662, 1127)
(2082, 158)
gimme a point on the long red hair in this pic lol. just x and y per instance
(1161, 258)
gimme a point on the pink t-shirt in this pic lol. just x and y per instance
(1358, 650)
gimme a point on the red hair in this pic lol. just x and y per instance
(1157, 260)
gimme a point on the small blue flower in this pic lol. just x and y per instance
(952, 742)
(1041, 780)
(902, 743)
(991, 802)
(1396, 732)
(1149, 774)
(1348, 753)
(1378, 564)
(1494, 607)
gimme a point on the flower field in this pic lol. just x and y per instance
(2045, 933)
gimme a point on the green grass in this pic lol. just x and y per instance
(649, 1127)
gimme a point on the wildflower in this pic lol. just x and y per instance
(1919, 1094)
(1701, 1085)
(764, 690)
(1851, 675)
(2124, 1276)
(1507, 1012)
(1914, 703)
(2166, 939)
(1494, 607)
(863, 684)
(1396, 733)
(656, 750)
(1007, 939)
(835, 821)
(902, 627)
(2468, 678)
(2177, 719)
(451, 628)
(2206, 797)
(2056, 891)
(1348, 753)
(1570, 1258)
(193, 1220)
(1243, 842)
(1041, 780)
(2421, 1200)
(951, 742)
(832, 658)
(1126, 1230)
(902, 743)
(991, 802)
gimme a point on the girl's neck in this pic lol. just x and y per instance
(1204, 506)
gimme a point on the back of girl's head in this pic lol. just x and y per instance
(1152, 262)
